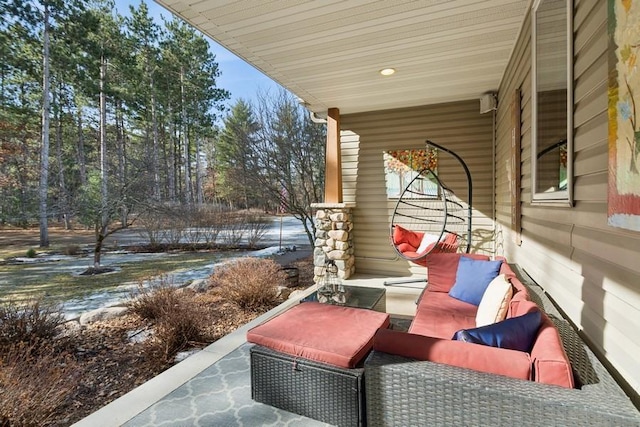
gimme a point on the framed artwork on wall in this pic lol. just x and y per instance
(624, 114)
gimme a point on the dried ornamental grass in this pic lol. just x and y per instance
(28, 322)
(251, 283)
(36, 381)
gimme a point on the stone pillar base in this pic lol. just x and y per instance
(334, 239)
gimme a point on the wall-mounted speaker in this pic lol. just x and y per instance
(488, 102)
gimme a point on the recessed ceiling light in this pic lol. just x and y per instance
(387, 71)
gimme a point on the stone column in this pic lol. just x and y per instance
(334, 239)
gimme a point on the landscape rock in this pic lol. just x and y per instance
(68, 328)
(284, 292)
(199, 285)
(99, 314)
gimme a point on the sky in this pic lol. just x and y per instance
(238, 77)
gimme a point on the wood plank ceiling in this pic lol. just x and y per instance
(329, 52)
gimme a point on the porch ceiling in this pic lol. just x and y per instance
(329, 52)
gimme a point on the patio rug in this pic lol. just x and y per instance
(220, 396)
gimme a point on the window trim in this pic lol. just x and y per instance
(564, 197)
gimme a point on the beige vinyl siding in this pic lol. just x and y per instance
(457, 126)
(590, 269)
(349, 145)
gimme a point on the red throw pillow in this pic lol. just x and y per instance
(402, 235)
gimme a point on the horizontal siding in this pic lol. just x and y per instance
(459, 127)
(589, 268)
(349, 150)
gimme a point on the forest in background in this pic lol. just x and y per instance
(105, 117)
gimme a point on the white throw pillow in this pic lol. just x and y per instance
(495, 302)
(427, 239)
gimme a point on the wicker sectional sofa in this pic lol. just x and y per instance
(423, 377)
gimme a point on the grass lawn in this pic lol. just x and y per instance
(23, 281)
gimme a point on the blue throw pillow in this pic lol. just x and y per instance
(516, 333)
(473, 278)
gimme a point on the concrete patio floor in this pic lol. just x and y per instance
(185, 394)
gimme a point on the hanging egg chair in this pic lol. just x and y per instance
(429, 218)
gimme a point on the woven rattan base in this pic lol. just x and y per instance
(316, 390)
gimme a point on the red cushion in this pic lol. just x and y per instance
(524, 307)
(340, 336)
(442, 269)
(550, 361)
(440, 316)
(407, 250)
(416, 258)
(440, 324)
(511, 363)
(441, 301)
(402, 235)
(514, 304)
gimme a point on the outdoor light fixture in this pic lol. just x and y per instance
(387, 71)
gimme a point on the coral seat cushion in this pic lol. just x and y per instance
(492, 360)
(340, 336)
(550, 361)
(440, 324)
(441, 301)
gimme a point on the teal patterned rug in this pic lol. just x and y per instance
(220, 396)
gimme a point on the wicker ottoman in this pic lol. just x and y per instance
(309, 361)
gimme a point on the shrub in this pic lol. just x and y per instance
(71, 250)
(257, 227)
(232, 230)
(31, 253)
(177, 322)
(251, 283)
(28, 322)
(154, 302)
(178, 330)
(208, 222)
(36, 383)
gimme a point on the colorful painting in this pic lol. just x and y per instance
(401, 166)
(624, 114)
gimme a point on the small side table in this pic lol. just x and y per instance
(359, 297)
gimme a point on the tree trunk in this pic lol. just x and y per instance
(185, 135)
(62, 188)
(104, 202)
(171, 157)
(199, 196)
(154, 155)
(97, 250)
(44, 153)
(82, 166)
(122, 158)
